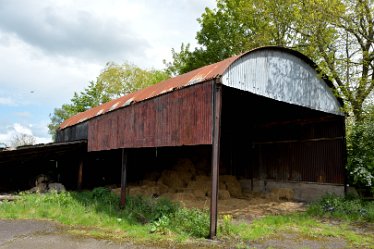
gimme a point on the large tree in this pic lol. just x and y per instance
(114, 81)
(337, 34)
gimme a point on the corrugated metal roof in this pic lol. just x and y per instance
(194, 77)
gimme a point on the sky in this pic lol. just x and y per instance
(52, 48)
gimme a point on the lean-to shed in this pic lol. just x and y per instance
(267, 115)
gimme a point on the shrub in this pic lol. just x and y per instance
(343, 208)
(360, 144)
(193, 222)
(147, 209)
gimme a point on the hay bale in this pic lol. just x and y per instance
(183, 197)
(202, 178)
(186, 170)
(282, 193)
(223, 194)
(234, 188)
(171, 179)
(185, 165)
(135, 190)
(162, 188)
(222, 185)
(199, 194)
(232, 184)
(55, 186)
(40, 188)
(116, 191)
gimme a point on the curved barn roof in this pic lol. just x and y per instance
(265, 64)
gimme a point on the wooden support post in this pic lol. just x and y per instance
(123, 179)
(217, 107)
(80, 175)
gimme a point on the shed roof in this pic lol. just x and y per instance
(196, 76)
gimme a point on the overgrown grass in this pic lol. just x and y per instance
(158, 220)
(350, 209)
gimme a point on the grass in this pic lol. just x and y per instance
(159, 221)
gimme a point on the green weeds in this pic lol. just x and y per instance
(350, 209)
(97, 213)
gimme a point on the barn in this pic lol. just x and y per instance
(267, 116)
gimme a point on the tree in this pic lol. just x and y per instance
(337, 34)
(114, 81)
(360, 143)
(21, 139)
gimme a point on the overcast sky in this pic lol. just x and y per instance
(49, 49)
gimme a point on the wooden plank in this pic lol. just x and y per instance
(80, 175)
(123, 178)
(217, 108)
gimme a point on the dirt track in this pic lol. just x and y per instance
(22, 234)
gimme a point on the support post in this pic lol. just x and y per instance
(80, 175)
(217, 108)
(123, 178)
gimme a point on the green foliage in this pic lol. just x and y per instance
(337, 34)
(193, 222)
(226, 227)
(146, 209)
(360, 144)
(97, 213)
(351, 209)
(114, 81)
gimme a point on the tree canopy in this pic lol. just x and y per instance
(337, 34)
(114, 81)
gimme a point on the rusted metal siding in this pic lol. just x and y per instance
(312, 153)
(181, 117)
(314, 161)
(203, 74)
(73, 133)
(284, 77)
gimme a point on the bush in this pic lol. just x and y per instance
(360, 144)
(193, 222)
(343, 208)
(147, 209)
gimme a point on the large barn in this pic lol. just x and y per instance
(267, 116)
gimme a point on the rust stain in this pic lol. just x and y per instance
(194, 77)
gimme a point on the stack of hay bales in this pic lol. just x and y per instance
(184, 182)
(231, 184)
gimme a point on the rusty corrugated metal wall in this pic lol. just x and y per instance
(178, 118)
(281, 142)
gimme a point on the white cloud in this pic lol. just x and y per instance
(52, 48)
(8, 135)
(22, 129)
(6, 101)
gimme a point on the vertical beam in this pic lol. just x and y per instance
(80, 175)
(344, 151)
(217, 108)
(123, 178)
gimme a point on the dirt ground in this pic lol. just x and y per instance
(249, 208)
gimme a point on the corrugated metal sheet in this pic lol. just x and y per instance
(180, 118)
(194, 77)
(314, 161)
(73, 133)
(283, 77)
(274, 72)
